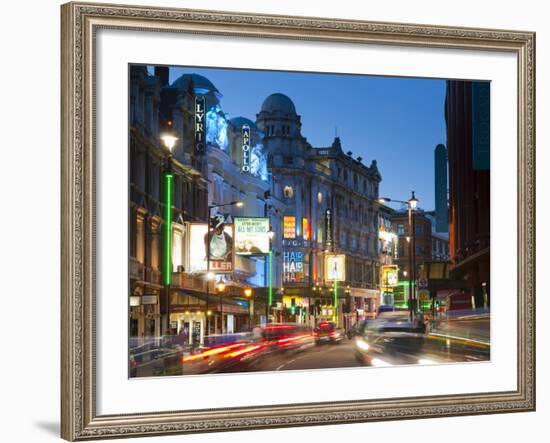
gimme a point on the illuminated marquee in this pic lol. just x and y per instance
(246, 148)
(335, 267)
(389, 276)
(200, 123)
(289, 226)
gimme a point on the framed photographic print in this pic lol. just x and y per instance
(283, 221)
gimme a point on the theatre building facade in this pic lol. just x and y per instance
(329, 250)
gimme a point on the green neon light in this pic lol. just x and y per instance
(168, 178)
(270, 277)
(335, 297)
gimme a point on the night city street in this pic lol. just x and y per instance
(255, 248)
(460, 340)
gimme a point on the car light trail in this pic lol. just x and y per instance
(379, 362)
(243, 351)
(362, 344)
(210, 352)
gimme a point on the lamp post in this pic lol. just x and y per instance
(169, 140)
(209, 274)
(269, 300)
(220, 287)
(411, 207)
(248, 293)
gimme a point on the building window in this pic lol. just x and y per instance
(400, 229)
(289, 226)
(288, 192)
(305, 228)
(418, 229)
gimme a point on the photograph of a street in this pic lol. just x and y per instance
(285, 221)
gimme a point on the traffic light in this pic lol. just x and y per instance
(293, 306)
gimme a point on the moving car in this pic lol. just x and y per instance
(326, 332)
(392, 337)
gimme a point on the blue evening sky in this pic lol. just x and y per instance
(397, 121)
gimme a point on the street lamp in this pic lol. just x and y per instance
(238, 204)
(169, 141)
(411, 203)
(269, 301)
(248, 293)
(220, 287)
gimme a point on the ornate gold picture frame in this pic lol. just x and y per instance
(80, 23)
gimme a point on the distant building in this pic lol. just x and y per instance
(441, 205)
(430, 247)
(468, 139)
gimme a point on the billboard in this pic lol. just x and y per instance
(389, 275)
(293, 266)
(220, 240)
(251, 235)
(335, 267)
(289, 226)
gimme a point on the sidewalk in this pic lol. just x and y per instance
(474, 326)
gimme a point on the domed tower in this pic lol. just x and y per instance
(281, 126)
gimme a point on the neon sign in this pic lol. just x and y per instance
(199, 123)
(246, 148)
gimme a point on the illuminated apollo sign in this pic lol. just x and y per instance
(246, 148)
(200, 122)
(293, 266)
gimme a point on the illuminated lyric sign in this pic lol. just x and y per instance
(293, 266)
(200, 123)
(335, 267)
(389, 275)
(289, 226)
(246, 148)
(328, 227)
(220, 242)
(251, 235)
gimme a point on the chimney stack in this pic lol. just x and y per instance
(162, 72)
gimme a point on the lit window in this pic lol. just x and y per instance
(305, 228)
(289, 226)
(400, 229)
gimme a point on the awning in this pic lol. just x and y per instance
(229, 304)
(364, 293)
